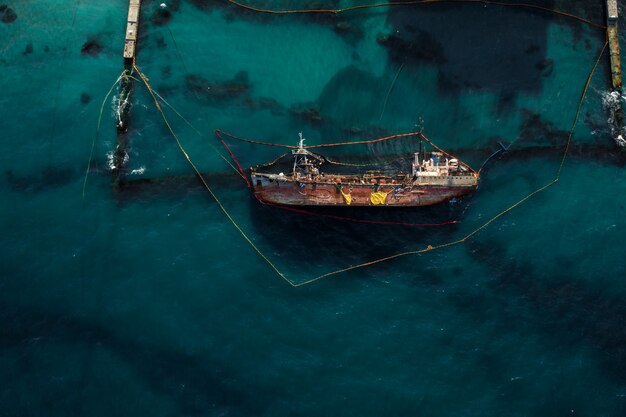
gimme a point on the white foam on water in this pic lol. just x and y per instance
(119, 107)
(612, 101)
(138, 171)
(111, 160)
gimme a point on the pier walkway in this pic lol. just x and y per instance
(613, 38)
(132, 24)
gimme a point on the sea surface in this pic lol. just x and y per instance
(145, 300)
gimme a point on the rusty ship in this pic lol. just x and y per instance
(430, 178)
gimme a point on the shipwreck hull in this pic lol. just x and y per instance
(315, 194)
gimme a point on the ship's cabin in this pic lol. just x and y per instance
(434, 164)
(305, 164)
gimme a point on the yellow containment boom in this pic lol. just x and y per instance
(378, 198)
(346, 197)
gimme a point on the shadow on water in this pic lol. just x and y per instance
(197, 385)
(316, 233)
(293, 234)
(565, 311)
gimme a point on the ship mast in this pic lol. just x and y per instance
(298, 152)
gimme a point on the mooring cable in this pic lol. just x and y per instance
(389, 91)
(492, 219)
(206, 185)
(414, 3)
(95, 139)
(398, 255)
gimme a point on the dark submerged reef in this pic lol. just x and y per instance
(489, 48)
(546, 67)
(565, 311)
(214, 92)
(160, 41)
(307, 112)
(85, 98)
(161, 16)
(197, 385)
(28, 49)
(92, 47)
(535, 131)
(423, 47)
(7, 14)
(236, 91)
(48, 178)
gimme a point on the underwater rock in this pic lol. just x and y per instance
(195, 384)
(546, 67)
(51, 177)
(91, 47)
(307, 112)
(28, 49)
(166, 71)
(506, 101)
(85, 98)
(167, 90)
(160, 42)
(532, 49)
(423, 48)
(558, 306)
(535, 130)
(219, 91)
(161, 16)
(348, 30)
(235, 91)
(7, 15)
(470, 56)
(265, 103)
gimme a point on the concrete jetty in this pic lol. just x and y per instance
(120, 155)
(132, 27)
(613, 37)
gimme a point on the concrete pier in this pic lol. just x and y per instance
(613, 38)
(132, 27)
(120, 155)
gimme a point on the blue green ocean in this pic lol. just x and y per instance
(144, 299)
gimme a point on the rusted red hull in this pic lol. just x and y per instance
(316, 194)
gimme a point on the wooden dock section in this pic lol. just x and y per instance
(613, 38)
(132, 27)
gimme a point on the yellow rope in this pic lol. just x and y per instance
(414, 3)
(398, 255)
(494, 218)
(206, 185)
(199, 134)
(95, 139)
(188, 123)
(389, 91)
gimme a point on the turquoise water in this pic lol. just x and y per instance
(149, 302)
